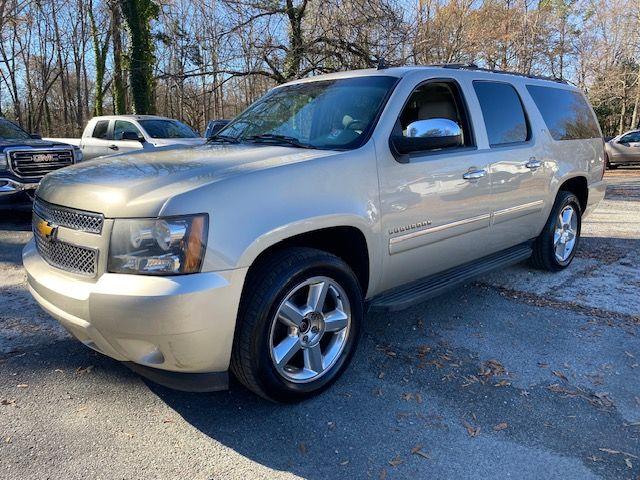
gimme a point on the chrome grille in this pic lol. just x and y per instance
(69, 218)
(65, 256)
(37, 163)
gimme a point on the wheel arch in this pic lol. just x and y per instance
(345, 240)
(579, 186)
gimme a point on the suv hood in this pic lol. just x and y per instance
(138, 185)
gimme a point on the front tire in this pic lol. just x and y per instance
(298, 324)
(556, 246)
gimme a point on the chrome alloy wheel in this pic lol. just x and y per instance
(310, 329)
(565, 233)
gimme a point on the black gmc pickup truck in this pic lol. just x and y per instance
(25, 159)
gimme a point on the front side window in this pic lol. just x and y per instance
(166, 128)
(565, 112)
(632, 137)
(101, 129)
(437, 99)
(121, 126)
(324, 114)
(10, 131)
(503, 113)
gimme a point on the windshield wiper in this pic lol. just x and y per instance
(223, 139)
(281, 139)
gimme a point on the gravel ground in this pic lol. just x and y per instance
(521, 374)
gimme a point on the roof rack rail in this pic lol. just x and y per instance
(473, 66)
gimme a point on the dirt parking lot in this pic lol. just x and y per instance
(521, 374)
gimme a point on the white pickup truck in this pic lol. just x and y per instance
(111, 134)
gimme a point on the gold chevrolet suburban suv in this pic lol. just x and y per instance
(260, 251)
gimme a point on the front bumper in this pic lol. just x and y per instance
(11, 186)
(182, 324)
(596, 195)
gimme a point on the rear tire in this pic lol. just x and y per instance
(298, 324)
(556, 246)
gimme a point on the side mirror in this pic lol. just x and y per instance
(136, 137)
(36, 136)
(431, 134)
(214, 126)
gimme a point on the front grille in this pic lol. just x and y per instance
(69, 218)
(37, 163)
(65, 256)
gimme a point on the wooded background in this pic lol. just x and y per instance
(63, 61)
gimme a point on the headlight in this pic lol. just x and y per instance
(158, 246)
(77, 155)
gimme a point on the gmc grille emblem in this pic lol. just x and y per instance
(44, 157)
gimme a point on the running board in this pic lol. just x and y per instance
(416, 292)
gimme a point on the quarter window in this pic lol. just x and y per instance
(101, 129)
(503, 113)
(565, 112)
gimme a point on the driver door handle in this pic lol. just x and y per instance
(533, 164)
(113, 147)
(474, 174)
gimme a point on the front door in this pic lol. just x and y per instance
(435, 208)
(626, 149)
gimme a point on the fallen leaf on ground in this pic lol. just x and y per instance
(83, 370)
(560, 375)
(417, 450)
(628, 462)
(23, 385)
(501, 426)
(4, 401)
(394, 462)
(617, 452)
(471, 430)
(383, 474)
(302, 447)
(344, 462)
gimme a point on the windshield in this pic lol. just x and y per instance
(9, 131)
(160, 128)
(325, 114)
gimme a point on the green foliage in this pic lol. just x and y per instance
(138, 15)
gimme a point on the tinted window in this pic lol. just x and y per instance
(503, 113)
(565, 112)
(120, 127)
(160, 128)
(10, 131)
(632, 137)
(100, 130)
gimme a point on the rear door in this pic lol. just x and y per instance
(98, 142)
(519, 176)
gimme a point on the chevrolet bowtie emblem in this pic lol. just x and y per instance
(47, 230)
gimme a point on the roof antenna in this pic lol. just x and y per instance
(382, 64)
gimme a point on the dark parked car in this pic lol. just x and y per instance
(25, 159)
(214, 126)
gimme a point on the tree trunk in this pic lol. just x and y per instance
(138, 15)
(119, 94)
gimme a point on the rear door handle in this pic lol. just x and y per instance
(474, 174)
(113, 147)
(533, 164)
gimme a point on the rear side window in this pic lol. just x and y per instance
(100, 130)
(565, 112)
(503, 113)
